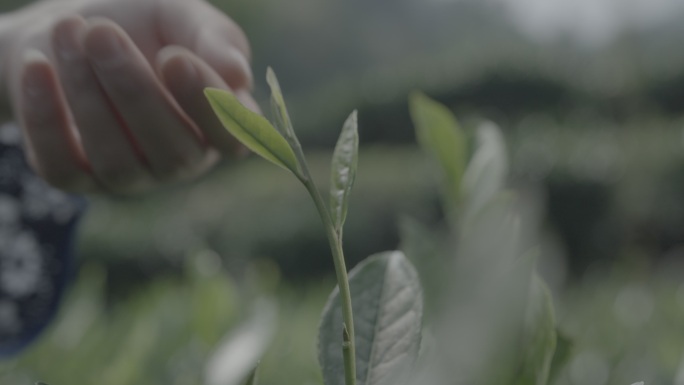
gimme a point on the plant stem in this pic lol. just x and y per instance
(348, 354)
(342, 280)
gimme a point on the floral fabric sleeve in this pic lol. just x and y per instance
(37, 225)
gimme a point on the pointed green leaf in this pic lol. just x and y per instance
(280, 113)
(388, 309)
(539, 335)
(487, 171)
(237, 356)
(440, 135)
(344, 161)
(252, 129)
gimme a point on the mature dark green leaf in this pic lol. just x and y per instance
(280, 114)
(539, 335)
(440, 135)
(388, 307)
(252, 129)
(343, 173)
(488, 169)
(237, 356)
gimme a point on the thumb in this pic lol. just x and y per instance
(212, 36)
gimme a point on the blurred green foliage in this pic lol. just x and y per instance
(608, 191)
(624, 323)
(166, 332)
(163, 334)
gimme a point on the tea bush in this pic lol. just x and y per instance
(489, 317)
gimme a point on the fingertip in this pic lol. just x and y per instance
(95, 26)
(104, 42)
(36, 76)
(176, 68)
(67, 24)
(34, 57)
(228, 61)
(186, 76)
(66, 37)
(235, 69)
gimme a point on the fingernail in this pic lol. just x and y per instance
(177, 65)
(34, 80)
(66, 42)
(103, 45)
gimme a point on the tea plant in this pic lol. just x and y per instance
(497, 325)
(388, 298)
(489, 316)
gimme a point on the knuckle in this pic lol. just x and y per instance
(118, 176)
(180, 166)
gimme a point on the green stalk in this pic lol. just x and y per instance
(348, 354)
(342, 280)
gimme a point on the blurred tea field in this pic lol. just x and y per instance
(596, 142)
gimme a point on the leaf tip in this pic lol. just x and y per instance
(353, 121)
(271, 78)
(212, 93)
(417, 97)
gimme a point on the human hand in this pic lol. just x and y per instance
(109, 93)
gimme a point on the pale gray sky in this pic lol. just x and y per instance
(593, 22)
(590, 21)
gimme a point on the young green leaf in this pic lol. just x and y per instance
(439, 134)
(237, 356)
(280, 113)
(343, 172)
(252, 129)
(488, 169)
(388, 308)
(539, 335)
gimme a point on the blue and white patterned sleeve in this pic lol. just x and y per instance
(37, 226)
